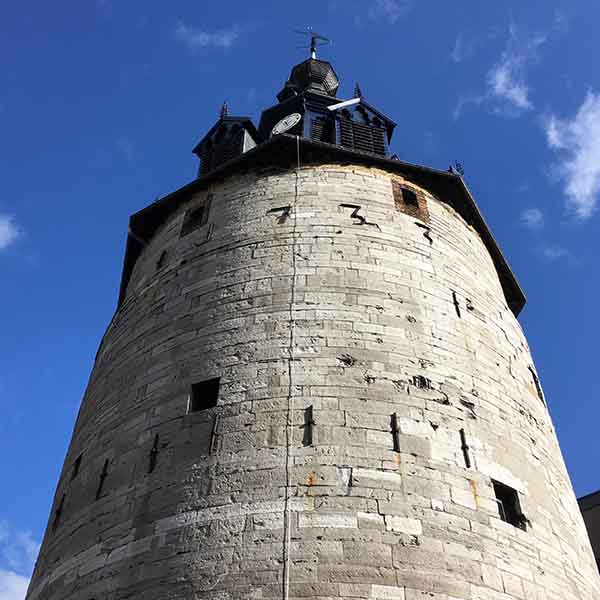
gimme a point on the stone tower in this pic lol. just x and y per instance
(314, 386)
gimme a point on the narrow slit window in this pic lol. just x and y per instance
(76, 467)
(538, 387)
(509, 507)
(309, 423)
(465, 448)
(395, 430)
(162, 260)
(103, 476)
(204, 395)
(153, 455)
(58, 513)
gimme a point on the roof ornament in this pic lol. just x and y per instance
(458, 168)
(224, 110)
(316, 40)
(357, 91)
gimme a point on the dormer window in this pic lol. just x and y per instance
(229, 138)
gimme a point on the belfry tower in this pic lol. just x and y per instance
(314, 386)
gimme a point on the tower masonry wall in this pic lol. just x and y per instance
(373, 386)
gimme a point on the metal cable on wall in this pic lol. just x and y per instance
(287, 513)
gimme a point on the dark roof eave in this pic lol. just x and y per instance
(143, 223)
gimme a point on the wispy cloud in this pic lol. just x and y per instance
(577, 142)
(552, 252)
(465, 46)
(389, 10)
(195, 39)
(506, 80)
(9, 231)
(126, 148)
(18, 551)
(532, 218)
(507, 91)
(12, 585)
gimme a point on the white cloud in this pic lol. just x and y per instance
(577, 141)
(552, 252)
(9, 231)
(507, 90)
(533, 218)
(195, 38)
(18, 549)
(506, 80)
(12, 585)
(389, 10)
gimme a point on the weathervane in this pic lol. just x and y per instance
(316, 39)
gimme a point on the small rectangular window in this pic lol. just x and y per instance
(204, 395)
(410, 198)
(76, 467)
(196, 217)
(509, 506)
(409, 201)
(423, 383)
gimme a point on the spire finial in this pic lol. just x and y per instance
(224, 109)
(316, 39)
(357, 91)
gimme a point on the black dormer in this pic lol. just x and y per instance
(227, 139)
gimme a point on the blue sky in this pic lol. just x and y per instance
(101, 102)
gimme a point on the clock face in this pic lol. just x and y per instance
(286, 123)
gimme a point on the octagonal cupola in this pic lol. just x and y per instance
(312, 75)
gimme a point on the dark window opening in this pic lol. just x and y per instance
(153, 455)
(103, 476)
(58, 513)
(309, 422)
(410, 198)
(76, 467)
(509, 506)
(395, 432)
(196, 217)
(204, 395)
(162, 260)
(465, 448)
(422, 382)
(538, 387)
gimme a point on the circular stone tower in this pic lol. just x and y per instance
(314, 387)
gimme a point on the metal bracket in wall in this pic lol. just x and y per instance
(284, 213)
